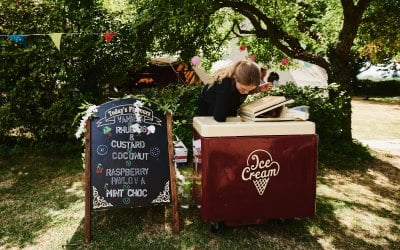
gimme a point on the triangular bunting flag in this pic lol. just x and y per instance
(56, 37)
(108, 36)
(20, 39)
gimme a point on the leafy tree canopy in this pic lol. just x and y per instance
(323, 32)
(320, 32)
(336, 35)
(379, 36)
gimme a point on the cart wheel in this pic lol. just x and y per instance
(215, 227)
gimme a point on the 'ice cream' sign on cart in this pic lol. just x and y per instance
(259, 169)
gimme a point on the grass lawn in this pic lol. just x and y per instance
(42, 207)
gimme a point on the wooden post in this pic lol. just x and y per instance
(87, 183)
(174, 196)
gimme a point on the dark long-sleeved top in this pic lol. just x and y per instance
(220, 100)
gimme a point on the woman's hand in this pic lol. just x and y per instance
(265, 87)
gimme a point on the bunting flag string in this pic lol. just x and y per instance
(18, 39)
(108, 36)
(55, 37)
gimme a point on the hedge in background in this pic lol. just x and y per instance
(377, 88)
(333, 150)
(181, 100)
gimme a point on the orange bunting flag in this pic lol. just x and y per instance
(108, 36)
(56, 37)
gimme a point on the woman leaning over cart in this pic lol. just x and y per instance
(233, 84)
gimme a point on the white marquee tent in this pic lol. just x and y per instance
(306, 74)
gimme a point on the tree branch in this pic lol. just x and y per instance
(283, 41)
(352, 16)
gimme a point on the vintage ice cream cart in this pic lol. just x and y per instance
(250, 172)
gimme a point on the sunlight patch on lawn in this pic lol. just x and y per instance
(324, 239)
(381, 180)
(367, 226)
(64, 223)
(345, 189)
(187, 222)
(7, 183)
(76, 188)
(362, 209)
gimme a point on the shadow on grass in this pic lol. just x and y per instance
(359, 208)
(343, 155)
(33, 187)
(149, 228)
(356, 208)
(343, 221)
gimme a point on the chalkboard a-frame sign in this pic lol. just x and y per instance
(128, 159)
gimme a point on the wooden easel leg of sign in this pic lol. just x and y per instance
(175, 213)
(87, 184)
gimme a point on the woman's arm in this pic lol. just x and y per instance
(221, 103)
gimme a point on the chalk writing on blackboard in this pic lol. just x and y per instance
(129, 163)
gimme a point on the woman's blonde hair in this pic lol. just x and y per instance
(245, 72)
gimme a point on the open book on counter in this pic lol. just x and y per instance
(271, 108)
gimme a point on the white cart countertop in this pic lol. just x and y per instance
(206, 126)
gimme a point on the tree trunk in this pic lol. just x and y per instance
(341, 74)
(342, 61)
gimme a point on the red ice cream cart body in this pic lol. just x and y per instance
(254, 171)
